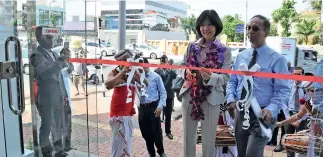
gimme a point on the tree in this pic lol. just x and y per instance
(53, 19)
(316, 4)
(229, 27)
(160, 27)
(273, 29)
(285, 16)
(188, 24)
(305, 29)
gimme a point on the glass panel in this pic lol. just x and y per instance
(46, 126)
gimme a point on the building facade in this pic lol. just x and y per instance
(142, 14)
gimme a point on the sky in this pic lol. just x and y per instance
(225, 7)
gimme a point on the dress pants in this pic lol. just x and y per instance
(167, 111)
(281, 117)
(208, 128)
(51, 123)
(150, 127)
(250, 142)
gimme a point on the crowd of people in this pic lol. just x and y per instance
(209, 98)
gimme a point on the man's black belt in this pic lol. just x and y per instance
(151, 104)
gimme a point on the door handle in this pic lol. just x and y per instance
(11, 70)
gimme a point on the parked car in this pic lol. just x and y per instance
(104, 49)
(307, 58)
(148, 51)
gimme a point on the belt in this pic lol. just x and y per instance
(151, 104)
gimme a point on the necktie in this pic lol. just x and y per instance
(254, 58)
(252, 62)
(297, 105)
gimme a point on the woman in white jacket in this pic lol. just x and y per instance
(202, 91)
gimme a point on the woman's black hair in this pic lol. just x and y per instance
(213, 17)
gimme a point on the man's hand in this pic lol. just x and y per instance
(157, 112)
(137, 76)
(266, 116)
(232, 109)
(205, 74)
(278, 124)
(125, 70)
(296, 124)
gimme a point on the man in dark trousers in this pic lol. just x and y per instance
(167, 75)
(150, 108)
(52, 95)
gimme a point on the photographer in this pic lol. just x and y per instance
(51, 95)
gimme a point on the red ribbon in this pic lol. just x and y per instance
(246, 73)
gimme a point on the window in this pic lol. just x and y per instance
(142, 46)
(134, 27)
(43, 17)
(89, 19)
(75, 18)
(134, 22)
(134, 11)
(57, 18)
(132, 41)
(310, 55)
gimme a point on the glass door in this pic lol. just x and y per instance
(12, 95)
(49, 105)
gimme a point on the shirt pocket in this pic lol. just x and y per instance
(263, 80)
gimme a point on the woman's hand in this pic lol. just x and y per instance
(205, 74)
(188, 75)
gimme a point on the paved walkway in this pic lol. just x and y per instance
(98, 130)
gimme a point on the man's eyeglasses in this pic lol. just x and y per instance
(253, 28)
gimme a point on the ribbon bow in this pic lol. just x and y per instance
(244, 103)
(142, 91)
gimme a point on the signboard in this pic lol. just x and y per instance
(284, 46)
(51, 31)
(240, 28)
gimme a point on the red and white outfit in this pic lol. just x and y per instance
(226, 119)
(121, 124)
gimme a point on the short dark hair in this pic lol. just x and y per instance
(163, 58)
(266, 23)
(145, 60)
(213, 17)
(299, 68)
(38, 31)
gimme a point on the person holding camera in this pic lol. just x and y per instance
(51, 95)
(167, 75)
